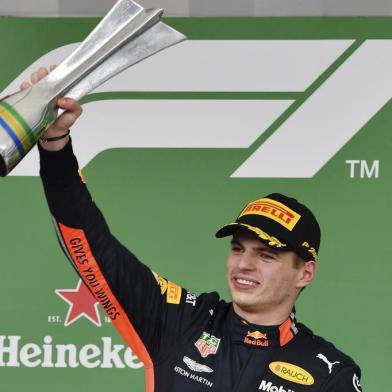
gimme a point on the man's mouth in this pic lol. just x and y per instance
(245, 283)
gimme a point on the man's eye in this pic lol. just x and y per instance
(267, 256)
(236, 249)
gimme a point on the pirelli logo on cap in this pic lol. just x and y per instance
(274, 210)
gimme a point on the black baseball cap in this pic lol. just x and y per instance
(282, 223)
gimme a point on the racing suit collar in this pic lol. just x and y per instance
(260, 336)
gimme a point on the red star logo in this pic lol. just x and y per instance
(81, 303)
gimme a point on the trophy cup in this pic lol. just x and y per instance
(126, 35)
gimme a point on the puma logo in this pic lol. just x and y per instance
(330, 364)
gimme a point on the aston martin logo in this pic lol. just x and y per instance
(196, 367)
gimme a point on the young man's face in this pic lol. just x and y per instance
(262, 280)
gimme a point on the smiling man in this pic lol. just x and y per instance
(264, 283)
(271, 259)
(201, 343)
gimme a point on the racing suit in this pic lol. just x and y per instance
(186, 342)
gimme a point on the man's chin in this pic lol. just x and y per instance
(244, 303)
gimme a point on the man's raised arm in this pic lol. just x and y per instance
(135, 298)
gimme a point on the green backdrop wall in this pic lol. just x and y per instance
(165, 198)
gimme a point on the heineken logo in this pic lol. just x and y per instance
(53, 353)
(207, 344)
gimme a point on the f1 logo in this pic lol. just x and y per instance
(310, 96)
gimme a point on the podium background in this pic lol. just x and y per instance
(166, 204)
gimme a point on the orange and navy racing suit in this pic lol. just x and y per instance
(187, 343)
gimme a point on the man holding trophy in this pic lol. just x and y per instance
(186, 342)
(200, 343)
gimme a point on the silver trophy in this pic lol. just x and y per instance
(126, 35)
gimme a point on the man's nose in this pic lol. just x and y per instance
(246, 262)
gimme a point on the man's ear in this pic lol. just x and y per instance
(306, 274)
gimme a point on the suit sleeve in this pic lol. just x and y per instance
(149, 311)
(347, 380)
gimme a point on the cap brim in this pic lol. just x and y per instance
(273, 242)
(269, 240)
(227, 230)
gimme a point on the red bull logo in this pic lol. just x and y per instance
(257, 335)
(256, 338)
